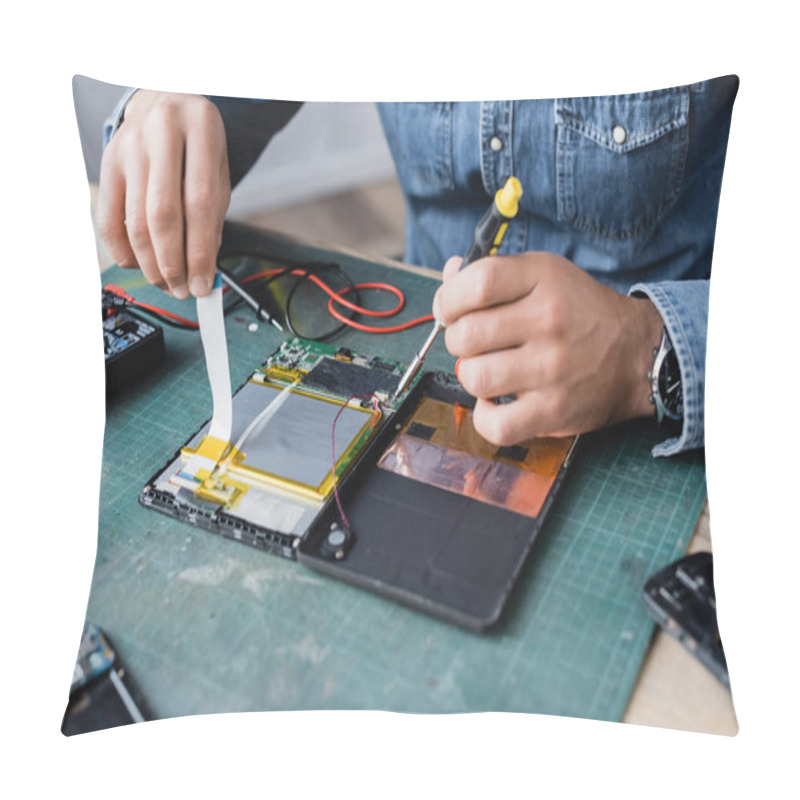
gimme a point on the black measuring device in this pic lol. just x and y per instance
(133, 346)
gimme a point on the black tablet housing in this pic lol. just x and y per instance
(443, 553)
(446, 553)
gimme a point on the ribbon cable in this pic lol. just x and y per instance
(215, 346)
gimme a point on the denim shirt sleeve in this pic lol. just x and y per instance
(249, 126)
(683, 306)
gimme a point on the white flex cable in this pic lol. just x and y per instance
(215, 347)
(265, 415)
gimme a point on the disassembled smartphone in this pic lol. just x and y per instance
(101, 695)
(400, 496)
(681, 598)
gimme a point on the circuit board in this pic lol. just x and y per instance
(300, 422)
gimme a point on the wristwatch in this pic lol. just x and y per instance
(665, 382)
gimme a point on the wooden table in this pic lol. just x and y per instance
(674, 689)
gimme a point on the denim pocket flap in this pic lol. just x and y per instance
(620, 162)
(622, 123)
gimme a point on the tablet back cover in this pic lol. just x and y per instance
(413, 524)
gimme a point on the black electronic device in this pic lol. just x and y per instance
(399, 495)
(438, 518)
(681, 598)
(101, 694)
(133, 346)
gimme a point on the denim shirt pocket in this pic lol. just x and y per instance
(620, 160)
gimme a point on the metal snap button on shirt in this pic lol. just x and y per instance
(496, 143)
(620, 134)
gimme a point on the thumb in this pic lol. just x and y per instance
(451, 267)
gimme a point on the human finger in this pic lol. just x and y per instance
(206, 196)
(530, 414)
(451, 267)
(110, 212)
(533, 413)
(501, 373)
(136, 224)
(485, 283)
(164, 210)
(498, 328)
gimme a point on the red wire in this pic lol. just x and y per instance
(188, 322)
(333, 451)
(114, 289)
(338, 298)
(335, 298)
(267, 273)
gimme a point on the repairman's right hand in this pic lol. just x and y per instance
(164, 190)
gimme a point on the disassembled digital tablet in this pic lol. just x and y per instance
(401, 496)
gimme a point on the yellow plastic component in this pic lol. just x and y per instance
(283, 374)
(232, 477)
(234, 466)
(212, 448)
(501, 232)
(234, 457)
(224, 491)
(507, 198)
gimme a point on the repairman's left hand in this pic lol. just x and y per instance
(575, 353)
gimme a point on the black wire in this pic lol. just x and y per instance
(263, 284)
(161, 318)
(336, 330)
(233, 304)
(308, 269)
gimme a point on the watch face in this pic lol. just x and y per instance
(669, 386)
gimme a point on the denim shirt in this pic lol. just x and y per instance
(625, 186)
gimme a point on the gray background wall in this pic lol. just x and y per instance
(327, 148)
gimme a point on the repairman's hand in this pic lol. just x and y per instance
(575, 353)
(164, 190)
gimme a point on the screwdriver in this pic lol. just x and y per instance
(486, 241)
(261, 312)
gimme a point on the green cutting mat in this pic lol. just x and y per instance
(205, 624)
